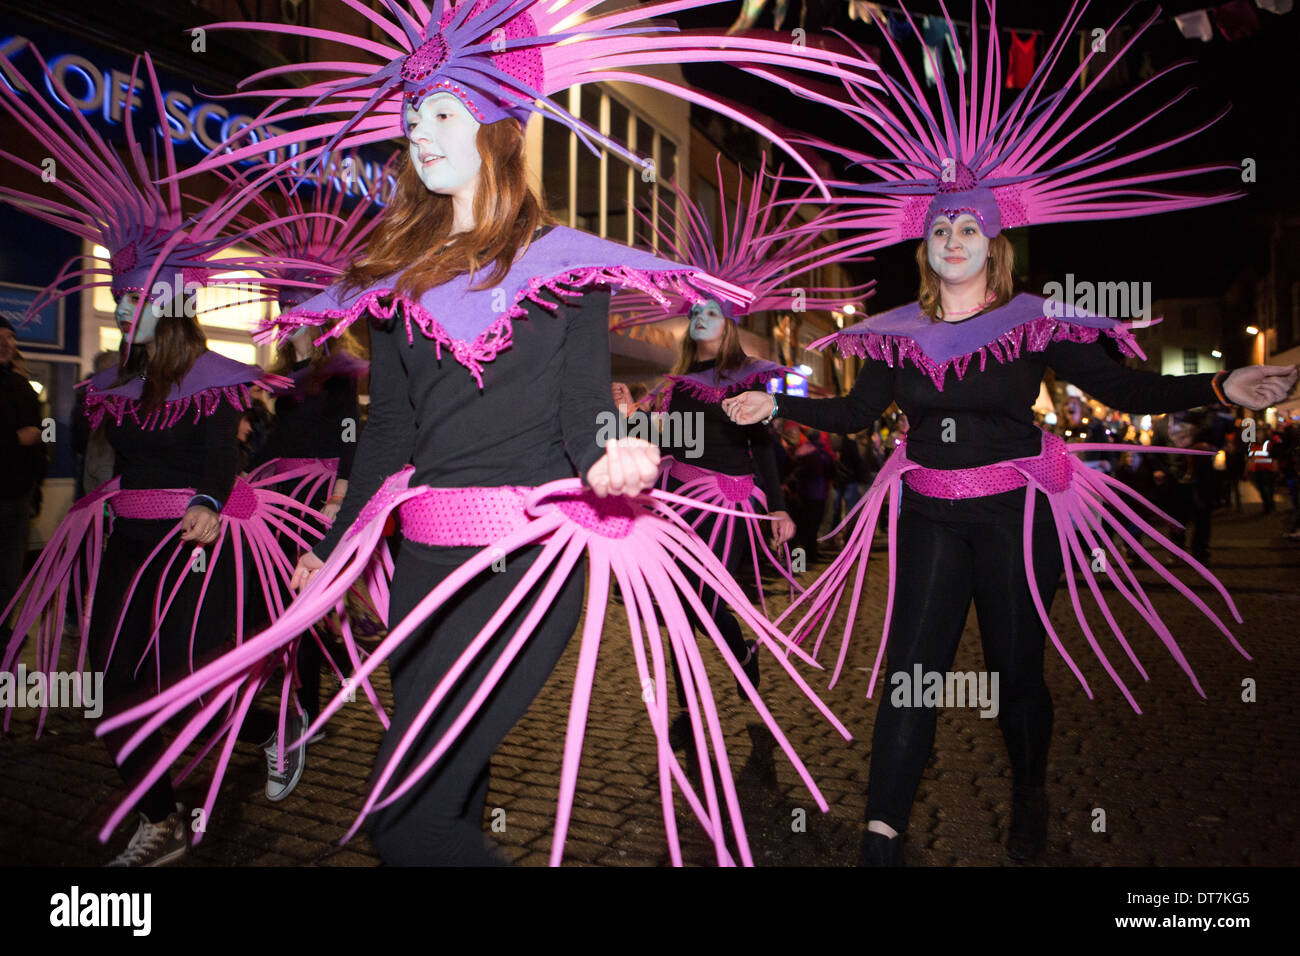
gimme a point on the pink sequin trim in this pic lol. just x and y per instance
(958, 483)
(458, 517)
(732, 487)
(1032, 336)
(119, 407)
(496, 338)
(716, 393)
(151, 504)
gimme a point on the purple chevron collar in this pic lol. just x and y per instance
(474, 325)
(1025, 322)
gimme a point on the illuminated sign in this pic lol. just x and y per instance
(188, 119)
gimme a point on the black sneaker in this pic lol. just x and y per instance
(880, 850)
(750, 666)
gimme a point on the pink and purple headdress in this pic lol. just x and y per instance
(312, 246)
(501, 58)
(1009, 167)
(154, 249)
(766, 246)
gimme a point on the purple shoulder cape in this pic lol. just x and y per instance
(212, 379)
(475, 325)
(708, 386)
(1027, 322)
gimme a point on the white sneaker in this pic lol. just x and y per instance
(280, 785)
(155, 844)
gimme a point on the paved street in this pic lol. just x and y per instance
(1188, 782)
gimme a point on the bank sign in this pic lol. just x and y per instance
(102, 92)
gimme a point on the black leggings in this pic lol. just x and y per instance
(126, 681)
(439, 822)
(941, 567)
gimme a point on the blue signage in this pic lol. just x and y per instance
(104, 93)
(46, 327)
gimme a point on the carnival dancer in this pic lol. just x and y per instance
(766, 247)
(992, 507)
(489, 384)
(157, 591)
(317, 419)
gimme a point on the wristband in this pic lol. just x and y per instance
(768, 420)
(334, 500)
(1216, 383)
(207, 501)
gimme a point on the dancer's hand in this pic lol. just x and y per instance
(1259, 386)
(748, 407)
(628, 467)
(308, 565)
(783, 528)
(623, 399)
(199, 524)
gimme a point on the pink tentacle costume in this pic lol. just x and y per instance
(487, 401)
(982, 506)
(766, 247)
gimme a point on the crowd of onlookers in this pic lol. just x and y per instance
(824, 476)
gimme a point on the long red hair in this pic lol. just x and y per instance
(414, 237)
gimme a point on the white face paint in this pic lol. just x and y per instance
(707, 321)
(148, 324)
(957, 251)
(443, 147)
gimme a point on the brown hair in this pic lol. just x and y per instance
(286, 357)
(997, 273)
(178, 343)
(414, 237)
(731, 355)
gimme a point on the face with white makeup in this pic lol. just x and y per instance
(146, 327)
(958, 251)
(707, 321)
(443, 145)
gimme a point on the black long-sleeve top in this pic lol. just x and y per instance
(725, 446)
(990, 411)
(203, 455)
(311, 424)
(543, 403)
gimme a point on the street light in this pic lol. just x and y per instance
(1216, 353)
(850, 309)
(1251, 330)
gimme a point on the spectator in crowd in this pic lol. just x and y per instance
(24, 464)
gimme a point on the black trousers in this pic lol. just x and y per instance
(127, 681)
(942, 567)
(439, 822)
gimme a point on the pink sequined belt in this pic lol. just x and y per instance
(733, 487)
(964, 482)
(282, 465)
(459, 517)
(1050, 468)
(151, 503)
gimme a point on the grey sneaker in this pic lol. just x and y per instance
(280, 785)
(156, 844)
